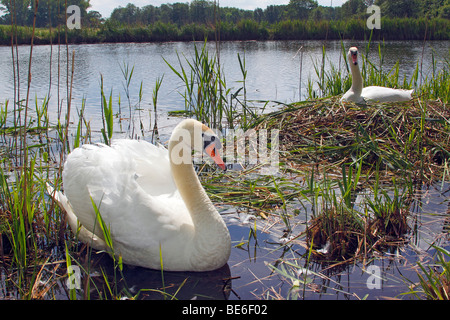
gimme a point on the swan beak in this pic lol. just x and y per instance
(211, 151)
(355, 57)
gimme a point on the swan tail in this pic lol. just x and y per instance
(83, 234)
(63, 203)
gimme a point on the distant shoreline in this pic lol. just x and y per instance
(352, 29)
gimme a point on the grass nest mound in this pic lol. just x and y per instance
(412, 136)
(335, 235)
(342, 235)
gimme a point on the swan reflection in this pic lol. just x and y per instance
(144, 283)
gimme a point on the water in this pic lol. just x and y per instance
(273, 68)
(248, 274)
(273, 74)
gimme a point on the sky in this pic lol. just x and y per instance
(105, 7)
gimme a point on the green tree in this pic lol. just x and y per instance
(300, 9)
(129, 15)
(232, 15)
(149, 14)
(353, 8)
(444, 11)
(49, 12)
(180, 13)
(322, 13)
(258, 14)
(93, 19)
(165, 13)
(433, 8)
(19, 9)
(400, 8)
(202, 11)
(274, 13)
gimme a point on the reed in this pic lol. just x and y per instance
(206, 95)
(107, 116)
(436, 86)
(434, 280)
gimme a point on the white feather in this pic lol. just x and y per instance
(358, 94)
(132, 183)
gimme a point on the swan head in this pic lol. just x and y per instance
(212, 146)
(353, 55)
(191, 135)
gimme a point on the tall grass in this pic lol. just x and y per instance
(202, 84)
(434, 282)
(107, 115)
(437, 84)
(336, 80)
(30, 224)
(206, 94)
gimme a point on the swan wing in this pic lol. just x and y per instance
(132, 185)
(350, 95)
(383, 94)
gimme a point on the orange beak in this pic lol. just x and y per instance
(214, 154)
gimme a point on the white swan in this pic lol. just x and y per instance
(150, 198)
(358, 94)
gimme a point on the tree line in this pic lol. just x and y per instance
(52, 12)
(48, 12)
(200, 19)
(201, 11)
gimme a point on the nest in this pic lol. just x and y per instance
(412, 136)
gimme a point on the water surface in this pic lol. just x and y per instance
(273, 68)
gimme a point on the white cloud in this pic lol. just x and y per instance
(105, 7)
(251, 4)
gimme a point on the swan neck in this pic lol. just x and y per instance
(211, 238)
(357, 81)
(190, 188)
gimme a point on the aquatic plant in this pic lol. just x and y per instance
(206, 94)
(434, 279)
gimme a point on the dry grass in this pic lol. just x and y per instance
(409, 137)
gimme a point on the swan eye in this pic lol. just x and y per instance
(206, 143)
(208, 139)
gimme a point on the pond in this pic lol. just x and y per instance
(258, 245)
(273, 68)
